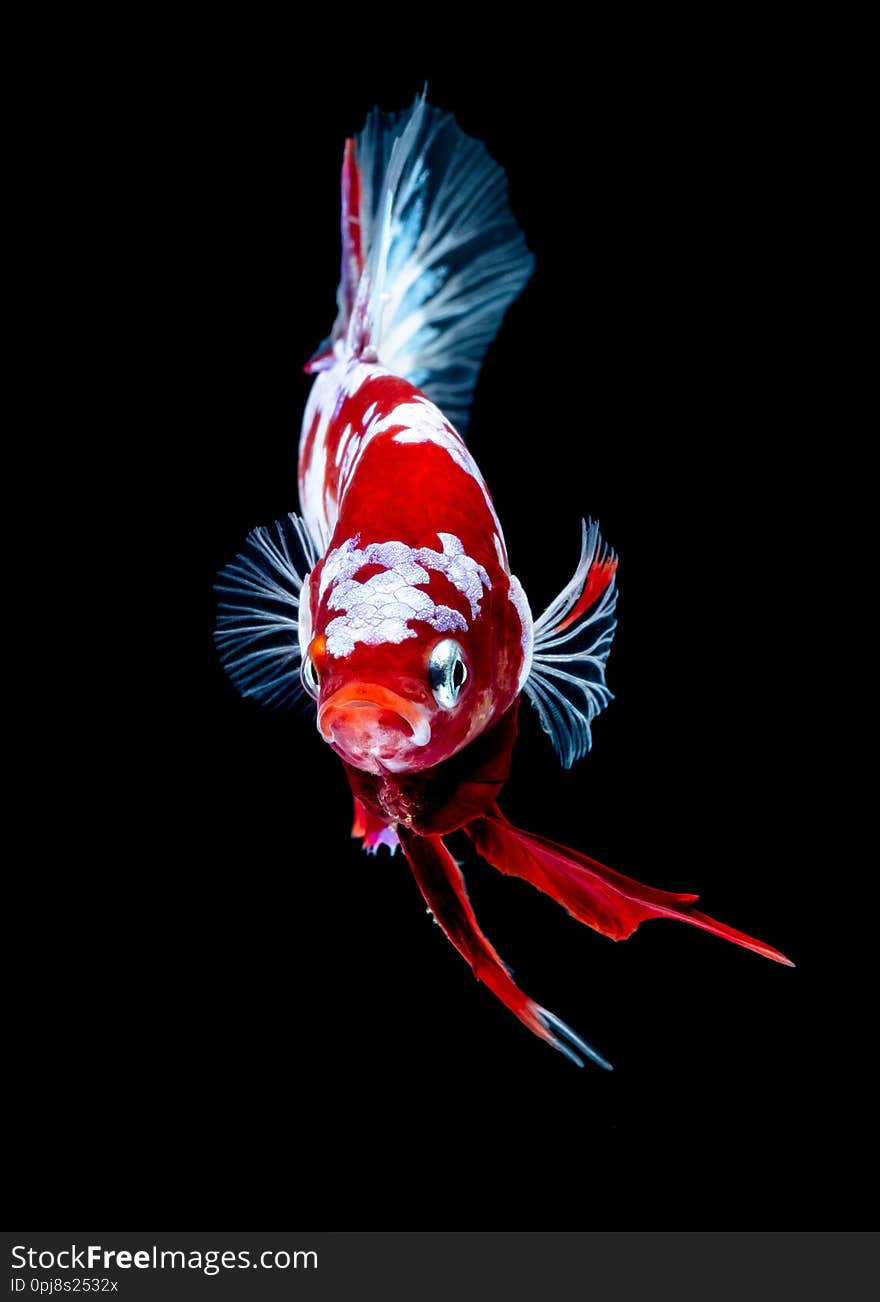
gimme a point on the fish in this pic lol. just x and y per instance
(390, 600)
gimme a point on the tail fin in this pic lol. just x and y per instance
(605, 900)
(431, 254)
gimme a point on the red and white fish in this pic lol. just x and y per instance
(392, 600)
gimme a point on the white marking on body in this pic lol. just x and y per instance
(330, 387)
(356, 375)
(423, 422)
(427, 424)
(304, 616)
(322, 400)
(521, 603)
(459, 568)
(379, 610)
(352, 450)
(501, 553)
(343, 443)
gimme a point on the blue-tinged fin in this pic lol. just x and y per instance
(573, 637)
(569, 1043)
(257, 633)
(443, 257)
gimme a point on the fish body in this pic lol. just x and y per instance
(415, 551)
(392, 601)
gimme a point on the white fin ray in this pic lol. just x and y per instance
(444, 255)
(257, 627)
(567, 683)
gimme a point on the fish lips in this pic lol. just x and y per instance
(374, 728)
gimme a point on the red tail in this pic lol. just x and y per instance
(605, 900)
(442, 885)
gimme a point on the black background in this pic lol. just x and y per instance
(225, 1009)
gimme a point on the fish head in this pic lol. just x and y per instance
(411, 652)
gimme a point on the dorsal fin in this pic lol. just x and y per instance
(428, 233)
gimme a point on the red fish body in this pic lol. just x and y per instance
(415, 551)
(392, 599)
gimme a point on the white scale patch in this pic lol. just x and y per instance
(501, 553)
(379, 610)
(527, 636)
(343, 442)
(427, 424)
(321, 402)
(341, 379)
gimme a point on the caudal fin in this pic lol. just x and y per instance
(431, 254)
(441, 883)
(605, 900)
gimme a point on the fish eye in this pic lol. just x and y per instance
(447, 672)
(309, 675)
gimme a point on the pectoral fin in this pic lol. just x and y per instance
(572, 639)
(257, 633)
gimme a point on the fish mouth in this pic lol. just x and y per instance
(373, 727)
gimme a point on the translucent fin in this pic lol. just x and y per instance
(257, 633)
(570, 1043)
(442, 255)
(566, 683)
(372, 831)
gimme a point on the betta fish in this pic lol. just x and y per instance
(390, 600)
